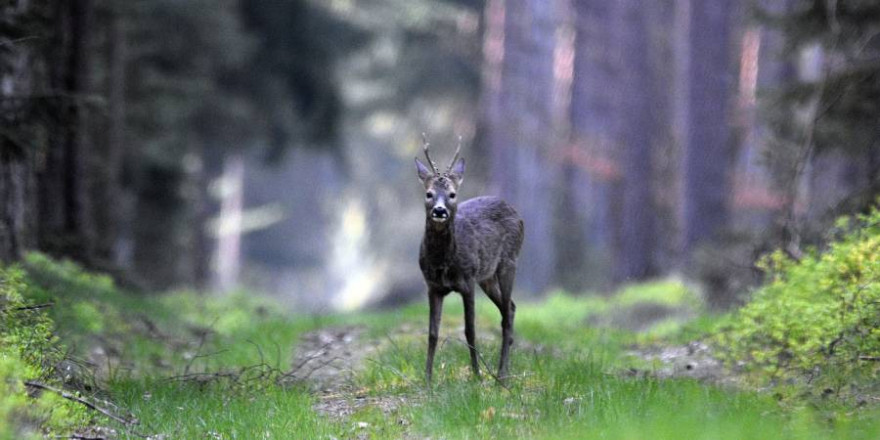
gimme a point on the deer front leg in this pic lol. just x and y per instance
(435, 300)
(469, 328)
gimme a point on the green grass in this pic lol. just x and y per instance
(190, 411)
(582, 392)
(571, 379)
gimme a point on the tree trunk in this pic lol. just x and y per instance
(637, 122)
(16, 172)
(666, 152)
(706, 150)
(158, 248)
(523, 169)
(65, 218)
(110, 152)
(202, 252)
(229, 224)
(591, 164)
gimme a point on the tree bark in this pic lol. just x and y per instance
(229, 224)
(110, 153)
(591, 167)
(14, 195)
(16, 172)
(706, 150)
(634, 260)
(523, 170)
(65, 218)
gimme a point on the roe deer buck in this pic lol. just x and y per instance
(476, 242)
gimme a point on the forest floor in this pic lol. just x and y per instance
(188, 366)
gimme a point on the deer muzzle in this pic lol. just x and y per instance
(439, 213)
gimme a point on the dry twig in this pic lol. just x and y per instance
(80, 400)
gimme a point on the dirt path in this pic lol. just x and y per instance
(328, 360)
(695, 360)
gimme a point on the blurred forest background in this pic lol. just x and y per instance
(214, 144)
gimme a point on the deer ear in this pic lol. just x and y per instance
(456, 171)
(424, 172)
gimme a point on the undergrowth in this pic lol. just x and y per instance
(29, 352)
(816, 321)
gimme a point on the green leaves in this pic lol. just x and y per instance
(28, 350)
(816, 316)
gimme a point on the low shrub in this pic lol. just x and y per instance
(817, 317)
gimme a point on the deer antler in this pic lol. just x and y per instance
(455, 158)
(425, 145)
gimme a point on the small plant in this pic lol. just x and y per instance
(817, 317)
(29, 351)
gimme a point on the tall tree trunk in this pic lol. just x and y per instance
(229, 224)
(572, 246)
(764, 68)
(666, 152)
(523, 170)
(202, 251)
(158, 248)
(637, 122)
(14, 171)
(591, 164)
(15, 146)
(706, 149)
(66, 226)
(110, 152)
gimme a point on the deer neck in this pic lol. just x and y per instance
(440, 241)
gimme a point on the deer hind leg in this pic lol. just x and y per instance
(469, 328)
(490, 286)
(493, 290)
(506, 276)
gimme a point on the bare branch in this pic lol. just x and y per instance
(90, 405)
(81, 437)
(30, 307)
(202, 339)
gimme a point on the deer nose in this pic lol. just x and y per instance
(439, 212)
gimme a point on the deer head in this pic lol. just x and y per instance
(441, 189)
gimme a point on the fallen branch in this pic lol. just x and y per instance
(31, 307)
(80, 400)
(869, 358)
(81, 437)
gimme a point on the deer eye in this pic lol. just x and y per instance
(452, 196)
(429, 195)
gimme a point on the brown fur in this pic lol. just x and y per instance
(478, 243)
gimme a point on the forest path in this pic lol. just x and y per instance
(329, 359)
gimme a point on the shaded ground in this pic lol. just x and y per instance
(694, 360)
